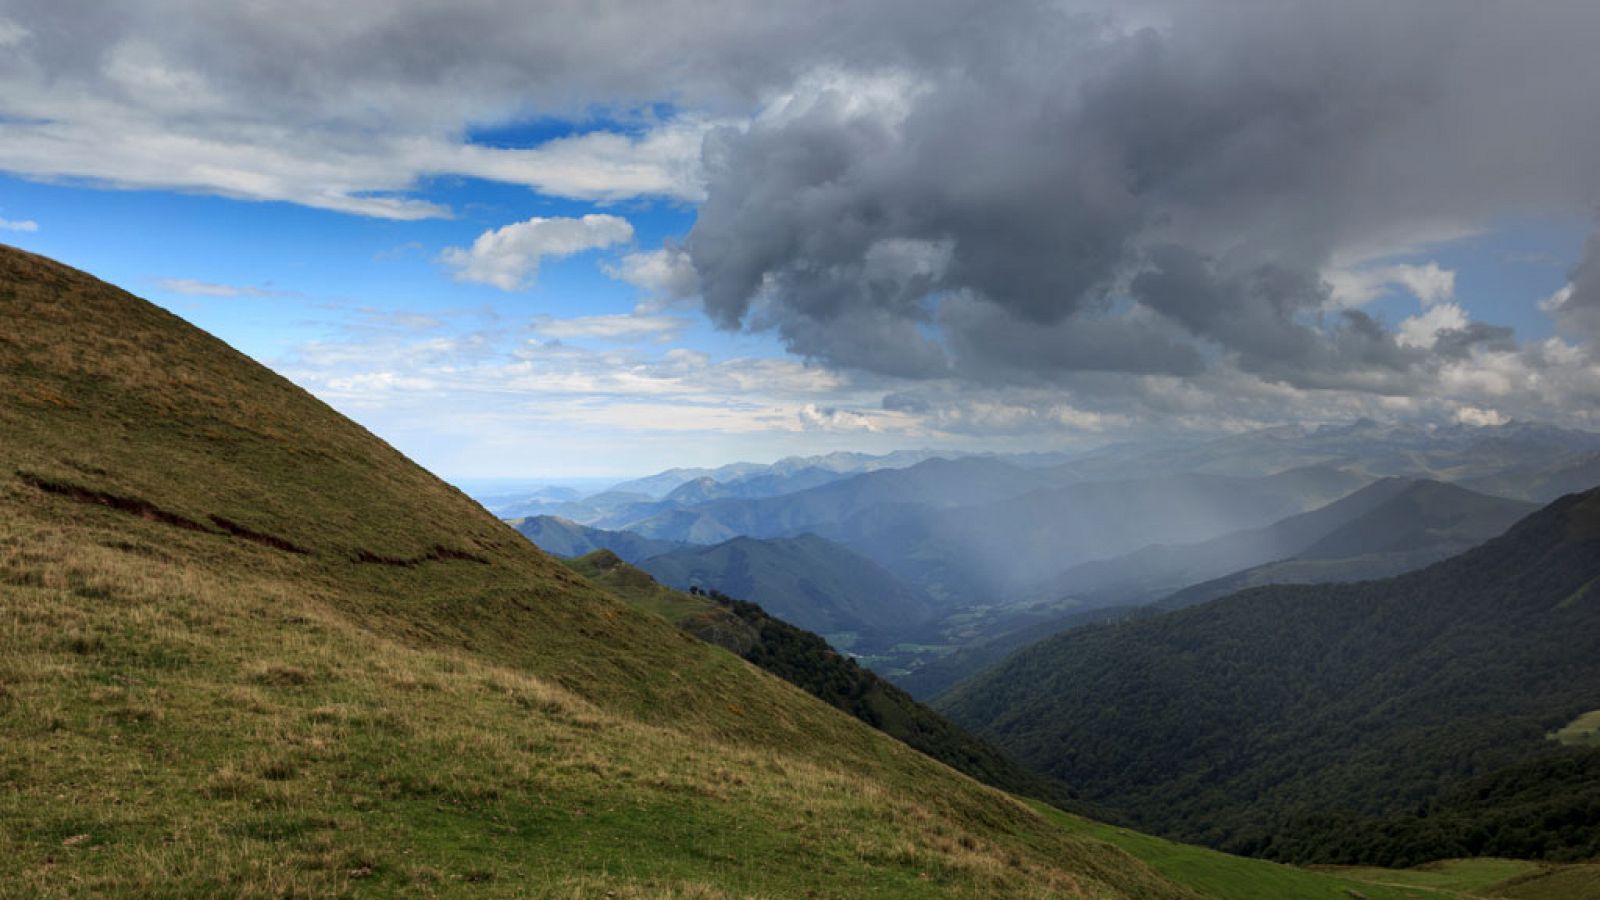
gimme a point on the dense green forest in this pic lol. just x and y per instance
(1286, 721)
(1545, 808)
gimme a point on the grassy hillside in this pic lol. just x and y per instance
(808, 662)
(251, 650)
(1299, 722)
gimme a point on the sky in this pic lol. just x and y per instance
(565, 241)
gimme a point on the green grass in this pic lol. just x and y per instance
(1510, 879)
(1556, 883)
(1469, 876)
(1213, 874)
(637, 587)
(1584, 731)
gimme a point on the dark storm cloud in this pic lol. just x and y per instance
(1458, 343)
(1083, 161)
(1269, 319)
(1579, 304)
(991, 345)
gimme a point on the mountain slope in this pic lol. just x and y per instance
(1266, 720)
(1390, 527)
(251, 649)
(1154, 571)
(1426, 515)
(1546, 480)
(806, 661)
(1420, 525)
(564, 537)
(813, 583)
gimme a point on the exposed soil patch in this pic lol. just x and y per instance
(260, 537)
(437, 553)
(131, 505)
(144, 509)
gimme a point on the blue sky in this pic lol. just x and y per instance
(517, 253)
(273, 278)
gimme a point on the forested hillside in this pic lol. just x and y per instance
(1263, 722)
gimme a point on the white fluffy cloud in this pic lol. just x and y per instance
(1558, 300)
(1480, 418)
(18, 225)
(664, 275)
(509, 257)
(830, 418)
(1423, 330)
(604, 166)
(1429, 283)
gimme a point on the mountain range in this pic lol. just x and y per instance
(998, 549)
(981, 531)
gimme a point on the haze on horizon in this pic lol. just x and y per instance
(600, 241)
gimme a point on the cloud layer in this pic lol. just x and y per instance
(1214, 198)
(1025, 215)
